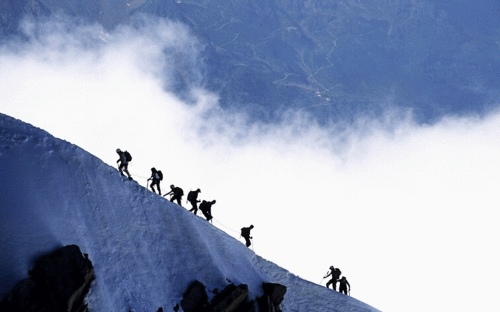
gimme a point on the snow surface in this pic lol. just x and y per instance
(145, 250)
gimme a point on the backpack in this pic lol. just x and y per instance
(337, 273)
(177, 191)
(128, 157)
(160, 175)
(191, 196)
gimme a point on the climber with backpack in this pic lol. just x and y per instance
(335, 274)
(177, 194)
(245, 233)
(193, 199)
(124, 159)
(343, 285)
(206, 209)
(156, 176)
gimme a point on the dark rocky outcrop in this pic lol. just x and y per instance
(232, 299)
(272, 298)
(195, 298)
(229, 299)
(59, 281)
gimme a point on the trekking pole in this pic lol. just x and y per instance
(252, 243)
(324, 277)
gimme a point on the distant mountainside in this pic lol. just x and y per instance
(145, 250)
(334, 59)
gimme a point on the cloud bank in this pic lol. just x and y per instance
(407, 212)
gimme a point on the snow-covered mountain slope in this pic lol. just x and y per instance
(145, 250)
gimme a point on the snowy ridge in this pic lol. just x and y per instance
(145, 250)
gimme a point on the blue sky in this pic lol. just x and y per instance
(393, 203)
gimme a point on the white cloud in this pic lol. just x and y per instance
(407, 212)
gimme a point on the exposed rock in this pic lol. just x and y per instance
(275, 291)
(195, 298)
(272, 298)
(265, 304)
(20, 297)
(229, 299)
(247, 306)
(232, 299)
(59, 281)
